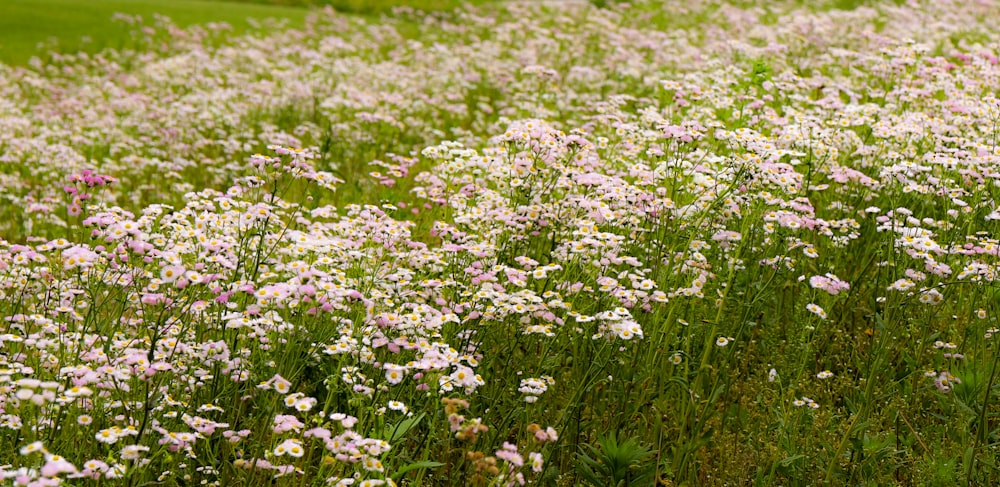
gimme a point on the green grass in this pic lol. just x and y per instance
(370, 6)
(34, 27)
(74, 25)
(378, 6)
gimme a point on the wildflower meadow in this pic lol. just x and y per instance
(559, 243)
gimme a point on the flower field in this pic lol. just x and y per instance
(548, 243)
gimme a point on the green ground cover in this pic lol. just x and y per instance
(370, 6)
(33, 27)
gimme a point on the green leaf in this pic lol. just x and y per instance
(415, 466)
(784, 462)
(396, 432)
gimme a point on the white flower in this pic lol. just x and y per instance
(32, 448)
(627, 330)
(291, 399)
(394, 374)
(133, 452)
(291, 447)
(109, 436)
(931, 296)
(171, 273)
(901, 285)
(116, 471)
(816, 310)
(77, 391)
(305, 404)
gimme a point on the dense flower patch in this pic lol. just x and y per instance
(523, 243)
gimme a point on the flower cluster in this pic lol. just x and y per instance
(317, 255)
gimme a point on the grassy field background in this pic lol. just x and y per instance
(34, 27)
(368, 6)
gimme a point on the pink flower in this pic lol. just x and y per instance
(945, 381)
(286, 422)
(510, 455)
(829, 283)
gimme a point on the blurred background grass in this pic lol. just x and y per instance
(34, 27)
(367, 6)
